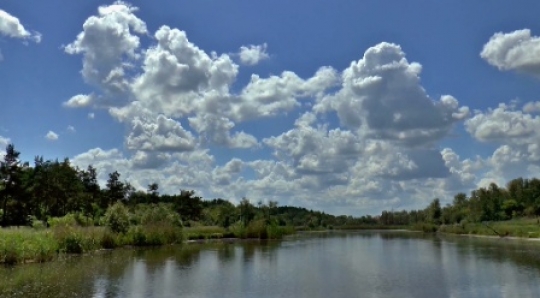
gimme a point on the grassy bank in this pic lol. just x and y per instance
(259, 229)
(523, 228)
(26, 245)
(23, 245)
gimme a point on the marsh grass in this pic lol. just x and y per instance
(152, 235)
(523, 227)
(205, 232)
(22, 245)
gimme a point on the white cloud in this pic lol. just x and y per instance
(264, 97)
(176, 72)
(51, 136)
(517, 132)
(517, 50)
(381, 95)
(79, 101)
(214, 129)
(224, 175)
(504, 124)
(176, 100)
(71, 128)
(161, 134)
(108, 42)
(532, 107)
(91, 115)
(11, 26)
(149, 160)
(253, 54)
(4, 142)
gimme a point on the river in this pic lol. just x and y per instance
(329, 264)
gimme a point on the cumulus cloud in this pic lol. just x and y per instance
(160, 134)
(108, 42)
(214, 129)
(79, 101)
(504, 124)
(225, 174)
(4, 142)
(176, 72)
(517, 134)
(264, 97)
(253, 54)
(532, 107)
(149, 160)
(517, 50)
(381, 94)
(71, 128)
(176, 99)
(11, 26)
(51, 136)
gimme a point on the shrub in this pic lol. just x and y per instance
(117, 218)
(65, 221)
(108, 240)
(69, 240)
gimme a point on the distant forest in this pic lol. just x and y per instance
(52, 188)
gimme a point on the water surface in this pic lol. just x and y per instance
(336, 264)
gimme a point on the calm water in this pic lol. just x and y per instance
(338, 264)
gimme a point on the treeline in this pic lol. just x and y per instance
(520, 198)
(53, 189)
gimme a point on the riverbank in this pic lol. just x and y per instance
(523, 228)
(29, 245)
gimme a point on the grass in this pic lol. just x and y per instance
(24, 245)
(67, 236)
(522, 227)
(206, 232)
(258, 229)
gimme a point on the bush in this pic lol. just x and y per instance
(65, 221)
(117, 218)
(69, 240)
(108, 240)
(153, 235)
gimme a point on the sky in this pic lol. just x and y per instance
(348, 107)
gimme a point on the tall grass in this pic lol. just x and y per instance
(21, 245)
(523, 227)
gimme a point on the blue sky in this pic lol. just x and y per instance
(351, 107)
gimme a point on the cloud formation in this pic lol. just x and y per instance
(184, 114)
(51, 136)
(253, 54)
(382, 96)
(517, 50)
(11, 26)
(109, 42)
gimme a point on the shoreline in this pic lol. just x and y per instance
(490, 236)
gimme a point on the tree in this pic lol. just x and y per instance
(188, 205)
(247, 211)
(434, 212)
(153, 193)
(115, 190)
(92, 191)
(10, 181)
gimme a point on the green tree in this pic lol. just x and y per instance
(10, 182)
(247, 211)
(153, 193)
(115, 191)
(434, 212)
